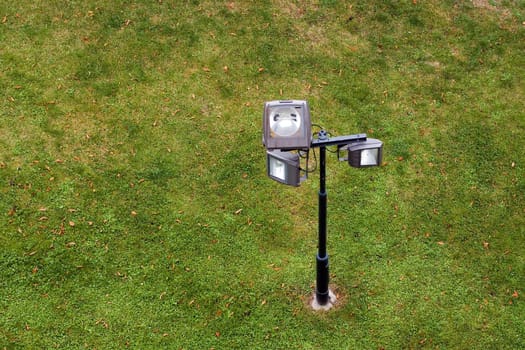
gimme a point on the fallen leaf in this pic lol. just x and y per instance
(441, 243)
(515, 294)
(486, 245)
(133, 213)
(103, 323)
(237, 212)
(72, 223)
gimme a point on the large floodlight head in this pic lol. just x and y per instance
(286, 125)
(284, 167)
(365, 154)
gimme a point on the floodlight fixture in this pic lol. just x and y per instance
(284, 167)
(365, 154)
(286, 125)
(362, 154)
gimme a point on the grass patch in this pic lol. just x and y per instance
(135, 207)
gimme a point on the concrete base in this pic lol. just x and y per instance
(331, 301)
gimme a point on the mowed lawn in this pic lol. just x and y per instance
(135, 210)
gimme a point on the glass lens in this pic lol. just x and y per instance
(285, 121)
(277, 169)
(369, 156)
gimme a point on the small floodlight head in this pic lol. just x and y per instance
(286, 125)
(284, 167)
(365, 154)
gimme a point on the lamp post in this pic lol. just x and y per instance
(322, 293)
(286, 127)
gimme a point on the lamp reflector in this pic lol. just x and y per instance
(285, 121)
(369, 157)
(277, 169)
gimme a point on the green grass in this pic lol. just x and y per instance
(136, 213)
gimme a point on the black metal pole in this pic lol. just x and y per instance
(322, 291)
